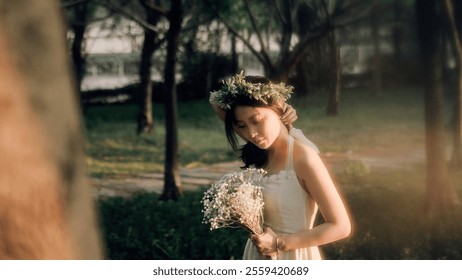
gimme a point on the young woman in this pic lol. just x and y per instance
(297, 183)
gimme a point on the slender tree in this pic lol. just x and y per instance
(397, 30)
(440, 193)
(376, 59)
(78, 25)
(172, 181)
(336, 76)
(150, 43)
(456, 159)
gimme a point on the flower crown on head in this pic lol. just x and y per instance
(237, 86)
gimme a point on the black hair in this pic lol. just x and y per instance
(249, 153)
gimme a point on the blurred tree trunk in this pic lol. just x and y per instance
(440, 193)
(234, 57)
(172, 181)
(79, 26)
(46, 206)
(397, 31)
(302, 83)
(336, 70)
(145, 119)
(456, 158)
(376, 60)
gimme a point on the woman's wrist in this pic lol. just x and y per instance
(279, 244)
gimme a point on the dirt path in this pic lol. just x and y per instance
(190, 178)
(206, 175)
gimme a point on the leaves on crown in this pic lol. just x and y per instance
(238, 86)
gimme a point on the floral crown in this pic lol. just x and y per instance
(238, 86)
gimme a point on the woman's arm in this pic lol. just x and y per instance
(316, 180)
(314, 177)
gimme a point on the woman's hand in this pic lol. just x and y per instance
(265, 242)
(289, 115)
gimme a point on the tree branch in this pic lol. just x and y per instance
(246, 42)
(287, 30)
(126, 13)
(154, 8)
(279, 12)
(301, 47)
(65, 5)
(263, 50)
(449, 10)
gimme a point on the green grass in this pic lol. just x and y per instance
(113, 147)
(143, 227)
(385, 203)
(366, 123)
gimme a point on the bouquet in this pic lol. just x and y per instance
(236, 200)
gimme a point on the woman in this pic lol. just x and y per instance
(297, 183)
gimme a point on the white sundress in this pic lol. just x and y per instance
(288, 208)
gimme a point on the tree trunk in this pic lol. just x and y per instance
(336, 69)
(277, 74)
(302, 78)
(46, 206)
(456, 159)
(234, 58)
(79, 26)
(397, 31)
(172, 181)
(145, 119)
(440, 193)
(377, 62)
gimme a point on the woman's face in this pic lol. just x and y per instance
(259, 125)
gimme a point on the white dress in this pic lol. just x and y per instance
(288, 209)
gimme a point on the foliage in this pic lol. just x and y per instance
(201, 72)
(385, 207)
(356, 168)
(145, 228)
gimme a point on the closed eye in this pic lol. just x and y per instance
(240, 125)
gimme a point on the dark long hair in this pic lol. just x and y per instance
(250, 154)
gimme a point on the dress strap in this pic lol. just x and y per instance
(298, 135)
(290, 152)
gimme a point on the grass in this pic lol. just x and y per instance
(385, 202)
(364, 125)
(143, 227)
(113, 147)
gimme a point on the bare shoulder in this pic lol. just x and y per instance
(308, 165)
(304, 156)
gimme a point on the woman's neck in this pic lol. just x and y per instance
(277, 153)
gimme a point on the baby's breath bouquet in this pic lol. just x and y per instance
(236, 200)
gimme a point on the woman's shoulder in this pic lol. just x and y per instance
(300, 147)
(304, 156)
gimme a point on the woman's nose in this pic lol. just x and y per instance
(252, 132)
